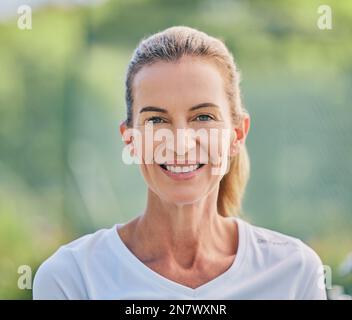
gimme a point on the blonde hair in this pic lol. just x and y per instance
(170, 45)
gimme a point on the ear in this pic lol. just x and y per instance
(241, 132)
(123, 128)
(127, 137)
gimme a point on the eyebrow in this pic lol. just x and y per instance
(196, 107)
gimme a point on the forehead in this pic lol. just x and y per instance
(187, 82)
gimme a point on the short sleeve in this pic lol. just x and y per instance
(58, 278)
(313, 283)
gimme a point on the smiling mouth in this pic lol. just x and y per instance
(181, 169)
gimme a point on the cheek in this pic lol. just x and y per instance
(215, 145)
(145, 147)
(148, 151)
(154, 146)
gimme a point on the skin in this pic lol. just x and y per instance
(180, 234)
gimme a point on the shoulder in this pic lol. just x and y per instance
(273, 244)
(62, 275)
(290, 255)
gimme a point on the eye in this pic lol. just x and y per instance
(154, 120)
(204, 117)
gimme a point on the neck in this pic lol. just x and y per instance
(185, 233)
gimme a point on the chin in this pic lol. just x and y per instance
(182, 197)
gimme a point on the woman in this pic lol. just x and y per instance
(189, 242)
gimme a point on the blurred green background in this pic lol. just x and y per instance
(62, 98)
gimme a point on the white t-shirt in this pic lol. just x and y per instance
(268, 265)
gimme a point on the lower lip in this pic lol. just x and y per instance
(182, 175)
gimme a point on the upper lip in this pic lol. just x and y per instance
(181, 164)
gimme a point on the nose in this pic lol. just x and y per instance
(180, 146)
(184, 141)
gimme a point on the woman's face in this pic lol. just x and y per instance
(176, 97)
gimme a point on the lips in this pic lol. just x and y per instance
(179, 169)
(179, 172)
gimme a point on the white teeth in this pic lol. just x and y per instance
(184, 169)
(187, 169)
